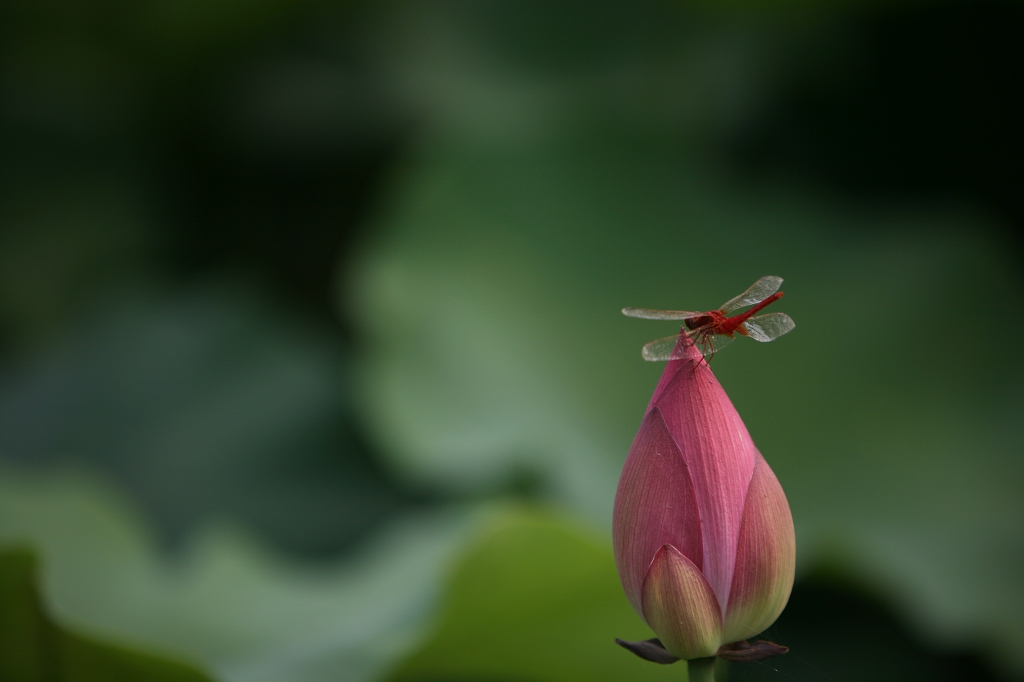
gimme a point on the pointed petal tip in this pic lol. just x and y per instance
(679, 605)
(765, 558)
(654, 506)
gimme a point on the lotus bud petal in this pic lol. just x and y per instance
(703, 536)
(681, 607)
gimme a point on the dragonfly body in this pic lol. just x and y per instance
(713, 329)
(720, 323)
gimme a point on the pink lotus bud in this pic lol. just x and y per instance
(703, 537)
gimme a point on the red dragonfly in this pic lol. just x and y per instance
(711, 331)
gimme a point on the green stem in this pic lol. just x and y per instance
(701, 669)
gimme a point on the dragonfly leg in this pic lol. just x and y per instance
(704, 341)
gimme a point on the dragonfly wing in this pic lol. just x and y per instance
(758, 291)
(768, 327)
(669, 348)
(652, 314)
(664, 349)
(710, 344)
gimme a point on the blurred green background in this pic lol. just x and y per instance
(311, 360)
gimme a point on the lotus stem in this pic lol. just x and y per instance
(701, 669)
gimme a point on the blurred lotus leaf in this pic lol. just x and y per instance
(35, 649)
(535, 597)
(245, 615)
(207, 403)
